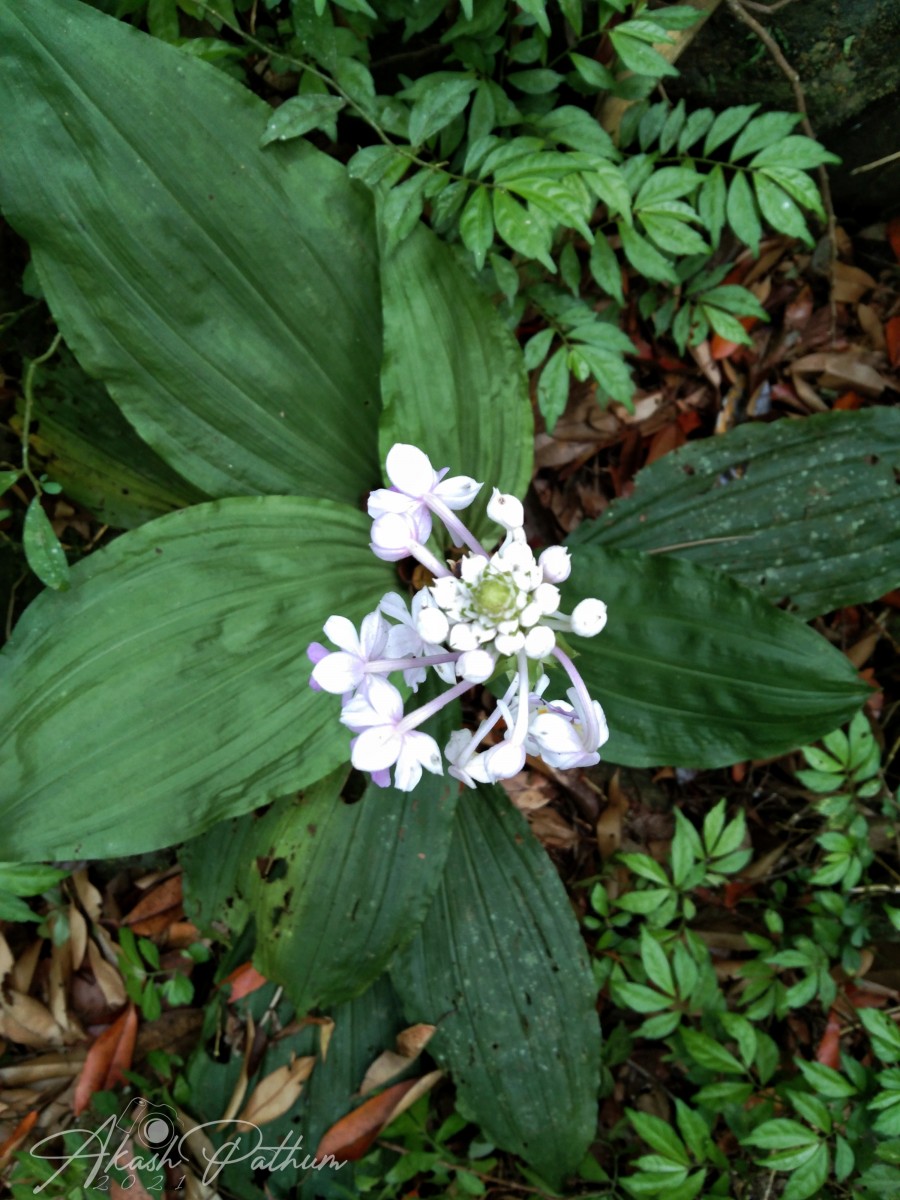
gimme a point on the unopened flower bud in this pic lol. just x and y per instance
(555, 564)
(462, 637)
(539, 642)
(392, 536)
(509, 643)
(476, 666)
(504, 760)
(505, 510)
(546, 597)
(588, 617)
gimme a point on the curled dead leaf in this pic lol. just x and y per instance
(277, 1093)
(350, 1137)
(107, 1059)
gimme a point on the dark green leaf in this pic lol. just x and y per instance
(28, 879)
(593, 73)
(762, 131)
(401, 209)
(711, 675)
(95, 454)
(476, 225)
(445, 345)
(668, 183)
(638, 56)
(538, 82)
(499, 965)
(553, 388)
(799, 153)
(711, 204)
(522, 229)
(175, 667)
(780, 210)
(726, 125)
(742, 214)
(337, 888)
(605, 268)
(696, 125)
(804, 510)
(644, 258)
(299, 115)
(225, 372)
(437, 106)
(45, 555)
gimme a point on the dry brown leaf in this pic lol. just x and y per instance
(702, 356)
(609, 823)
(110, 1055)
(552, 830)
(870, 324)
(849, 284)
(860, 652)
(6, 958)
(157, 910)
(108, 978)
(277, 1093)
(25, 1020)
(17, 1137)
(78, 936)
(46, 1066)
(412, 1041)
(837, 370)
(352, 1135)
(243, 1080)
(23, 972)
(409, 1045)
(326, 1030)
(808, 394)
(57, 982)
(88, 896)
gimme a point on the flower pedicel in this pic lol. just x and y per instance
(500, 608)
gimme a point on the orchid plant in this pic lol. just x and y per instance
(164, 697)
(488, 608)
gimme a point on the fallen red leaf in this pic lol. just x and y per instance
(848, 402)
(860, 998)
(892, 598)
(244, 980)
(690, 420)
(670, 437)
(158, 909)
(892, 337)
(107, 1060)
(893, 235)
(350, 1137)
(829, 1048)
(19, 1134)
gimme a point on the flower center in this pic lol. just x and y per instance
(494, 597)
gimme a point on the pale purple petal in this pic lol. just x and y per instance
(342, 632)
(338, 673)
(409, 469)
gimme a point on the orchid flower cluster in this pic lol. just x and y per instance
(485, 613)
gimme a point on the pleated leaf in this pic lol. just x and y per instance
(693, 669)
(96, 455)
(453, 380)
(500, 966)
(805, 511)
(227, 294)
(337, 888)
(168, 688)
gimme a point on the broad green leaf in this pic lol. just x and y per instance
(45, 555)
(668, 183)
(476, 225)
(523, 230)
(538, 82)
(605, 269)
(673, 234)
(694, 669)
(763, 131)
(706, 1052)
(696, 125)
(337, 888)
(802, 187)
(453, 380)
(28, 879)
(437, 106)
(572, 126)
(553, 388)
(643, 257)
(168, 688)
(499, 965)
(593, 73)
(402, 208)
(199, 295)
(638, 56)
(299, 115)
(711, 204)
(803, 510)
(95, 454)
(563, 202)
(800, 153)
(726, 125)
(742, 214)
(779, 209)
(659, 1135)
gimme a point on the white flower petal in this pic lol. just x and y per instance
(343, 633)
(555, 563)
(505, 760)
(376, 748)
(432, 625)
(458, 492)
(338, 673)
(476, 666)
(539, 642)
(409, 470)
